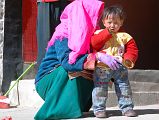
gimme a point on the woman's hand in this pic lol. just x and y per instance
(109, 60)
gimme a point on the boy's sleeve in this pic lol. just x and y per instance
(98, 39)
(131, 54)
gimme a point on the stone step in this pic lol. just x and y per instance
(144, 84)
(140, 98)
(134, 74)
(144, 80)
(144, 75)
(141, 86)
(25, 95)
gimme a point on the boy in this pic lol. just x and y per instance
(118, 52)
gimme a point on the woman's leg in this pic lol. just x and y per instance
(64, 98)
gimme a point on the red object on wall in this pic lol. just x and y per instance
(29, 14)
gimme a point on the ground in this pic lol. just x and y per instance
(27, 113)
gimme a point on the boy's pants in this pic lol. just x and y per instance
(102, 78)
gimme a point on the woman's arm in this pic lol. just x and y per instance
(86, 61)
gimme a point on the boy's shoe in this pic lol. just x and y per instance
(130, 113)
(101, 114)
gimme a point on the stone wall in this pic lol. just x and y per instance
(11, 63)
(2, 4)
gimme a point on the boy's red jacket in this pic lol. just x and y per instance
(98, 41)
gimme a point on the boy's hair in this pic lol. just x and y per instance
(115, 10)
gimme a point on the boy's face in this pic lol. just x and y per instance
(113, 23)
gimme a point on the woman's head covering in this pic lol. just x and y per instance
(78, 23)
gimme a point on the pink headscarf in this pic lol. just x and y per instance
(78, 23)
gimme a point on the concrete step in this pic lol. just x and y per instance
(24, 94)
(151, 76)
(140, 98)
(144, 84)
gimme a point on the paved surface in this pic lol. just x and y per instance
(149, 112)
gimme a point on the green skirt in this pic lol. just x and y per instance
(63, 98)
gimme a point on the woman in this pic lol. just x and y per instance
(62, 79)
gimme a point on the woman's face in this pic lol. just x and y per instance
(113, 23)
